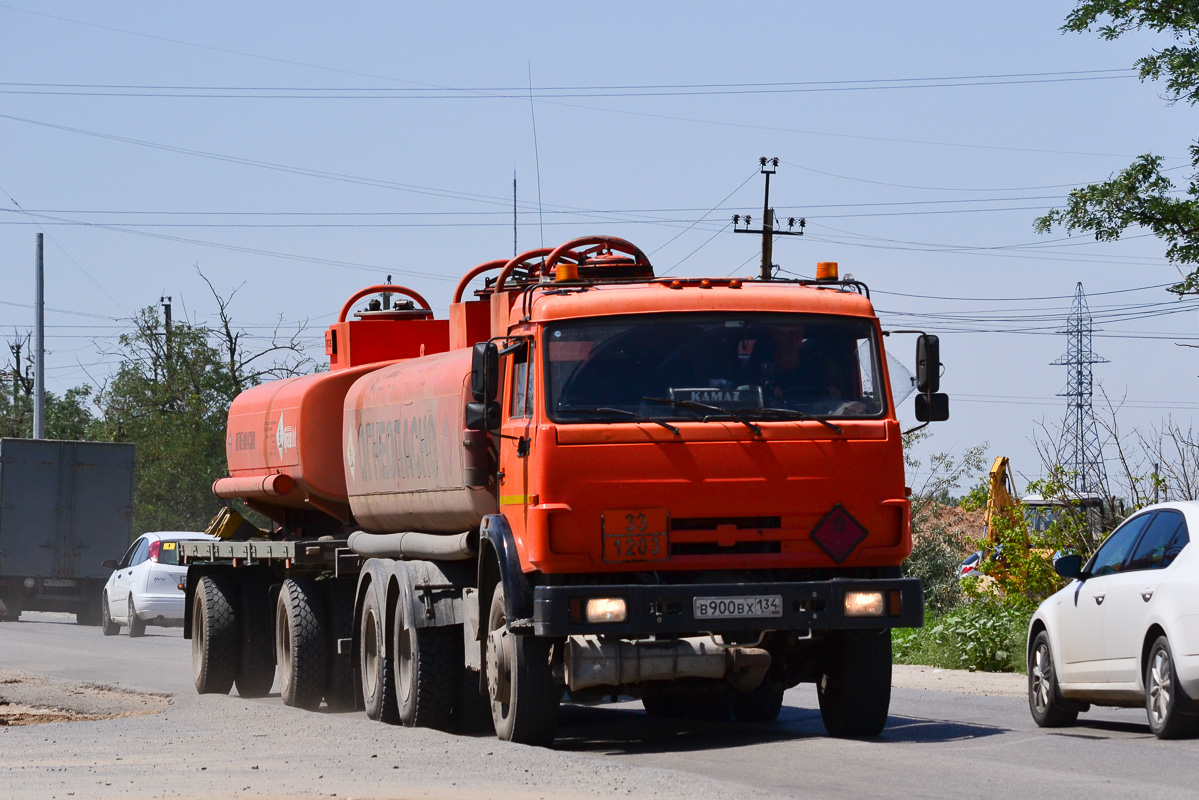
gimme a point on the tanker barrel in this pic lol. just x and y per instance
(254, 487)
(413, 545)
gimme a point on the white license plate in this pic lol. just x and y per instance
(738, 607)
(60, 582)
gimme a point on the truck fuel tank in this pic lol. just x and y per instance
(404, 458)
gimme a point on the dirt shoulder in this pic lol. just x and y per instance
(993, 684)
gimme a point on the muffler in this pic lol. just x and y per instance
(592, 661)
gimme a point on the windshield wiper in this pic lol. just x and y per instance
(622, 412)
(724, 413)
(791, 413)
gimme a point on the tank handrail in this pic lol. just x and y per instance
(377, 289)
(474, 273)
(500, 281)
(640, 259)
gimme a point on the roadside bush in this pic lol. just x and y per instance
(982, 634)
(934, 560)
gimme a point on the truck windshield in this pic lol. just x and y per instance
(713, 366)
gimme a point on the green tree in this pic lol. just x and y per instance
(67, 416)
(170, 398)
(1142, 195)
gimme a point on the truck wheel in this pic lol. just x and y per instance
(378, 679)
(88, 614)
(10, 606)
(700, 700)
(472, 711)
(524, 696)
(256, 664)
(109, 627)
(854, 687)
(300, 643)
(341, 692)
(137, 625)
(214, 634)
(762, 704)
(426, 675)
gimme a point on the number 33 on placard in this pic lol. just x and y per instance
(636, 534)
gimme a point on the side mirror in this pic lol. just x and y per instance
(1068, 566)
(109, 563)
(932, 407)
(485, 372)
(482, 416)
(928, 364)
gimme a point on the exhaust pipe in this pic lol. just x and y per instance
(592, 661)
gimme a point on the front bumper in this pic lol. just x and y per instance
(657, 609)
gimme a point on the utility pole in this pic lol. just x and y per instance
(768, 231)
(387, 296)
(39, 364)
(15, 347)
(514, 252)
(166, 315)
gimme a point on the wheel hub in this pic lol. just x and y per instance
(499, 661)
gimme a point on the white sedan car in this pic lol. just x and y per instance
(1125, 631)
(144, 586)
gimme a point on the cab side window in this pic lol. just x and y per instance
(521, 402)
(1114, 554)
(1163, 540)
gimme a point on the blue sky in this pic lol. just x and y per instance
(298, 151)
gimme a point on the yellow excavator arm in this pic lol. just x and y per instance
(1001, 498)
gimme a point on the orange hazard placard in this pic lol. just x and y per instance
(636, 534)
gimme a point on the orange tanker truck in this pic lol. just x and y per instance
(588, 481)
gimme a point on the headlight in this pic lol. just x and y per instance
(864, 604)
(606, 609)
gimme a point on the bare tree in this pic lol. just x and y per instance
(283, 357)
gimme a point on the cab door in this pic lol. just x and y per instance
(517, 438)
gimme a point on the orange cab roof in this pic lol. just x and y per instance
(646, 298)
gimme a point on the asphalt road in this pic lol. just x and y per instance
(937, 744)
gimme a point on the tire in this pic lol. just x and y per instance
(427, 674)
(10, 605)
(1044, 697)
(300, 643)
(88, 614)
(137, 626)
(256, 659)
(341, 690)
(762, 704)
(108, 627)
(1164, 696)
(378, 678)
(215, 635)
(854, 687)
(520, 683)
(472, 711)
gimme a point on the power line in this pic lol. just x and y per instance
(545, 93)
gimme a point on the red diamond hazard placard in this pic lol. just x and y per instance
(838, 533)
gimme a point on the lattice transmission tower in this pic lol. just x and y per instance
(1079, 448)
